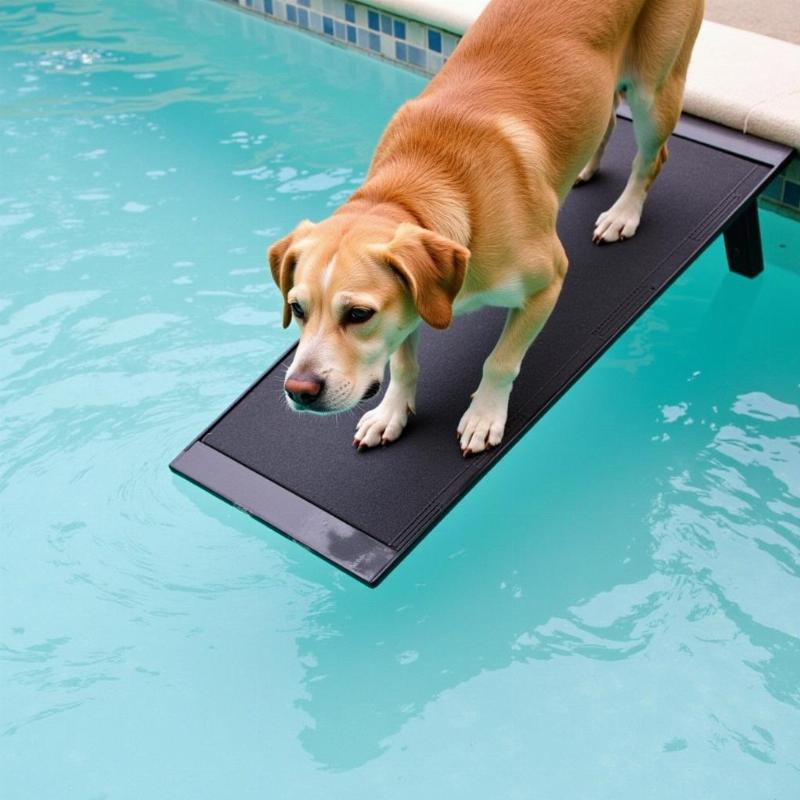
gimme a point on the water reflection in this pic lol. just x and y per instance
(679, 557)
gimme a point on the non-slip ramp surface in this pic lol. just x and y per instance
(364, 511)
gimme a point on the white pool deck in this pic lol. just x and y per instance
(738, 78)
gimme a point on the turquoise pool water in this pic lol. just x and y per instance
(614, 612)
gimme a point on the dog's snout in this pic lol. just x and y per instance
(304, 388)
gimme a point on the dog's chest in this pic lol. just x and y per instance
(510, 294)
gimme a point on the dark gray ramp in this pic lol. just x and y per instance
(364, 511)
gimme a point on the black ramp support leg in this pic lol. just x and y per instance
(743, 243)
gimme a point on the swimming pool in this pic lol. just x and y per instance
(613, 612)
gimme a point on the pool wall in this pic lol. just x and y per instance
(406, 41)
(421, 34)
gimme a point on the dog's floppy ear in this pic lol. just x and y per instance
(282, 261)
(433, 268)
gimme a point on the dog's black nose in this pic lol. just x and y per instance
(303, 388)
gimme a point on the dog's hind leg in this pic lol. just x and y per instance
(654, 117)
(654, 78)
(588, 172)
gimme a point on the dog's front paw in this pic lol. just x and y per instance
(483, 424)
(383, 424)
(618, 223)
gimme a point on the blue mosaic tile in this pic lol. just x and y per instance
(417, 56)
(791, 194)
(405, 41)
(774, 190)
(449, 42)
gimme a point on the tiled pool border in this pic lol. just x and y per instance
(425, 48)
(783, 193)
(412, 44)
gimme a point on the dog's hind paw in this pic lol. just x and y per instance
(382, 425)
(585, 175)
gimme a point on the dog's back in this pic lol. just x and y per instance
(555, 67)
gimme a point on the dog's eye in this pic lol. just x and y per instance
(357, 315)
(297, 310)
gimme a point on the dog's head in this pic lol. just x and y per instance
(357, 286)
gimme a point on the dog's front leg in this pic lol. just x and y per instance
(484, 422)
(386, 421)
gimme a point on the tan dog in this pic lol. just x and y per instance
(459, 207)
